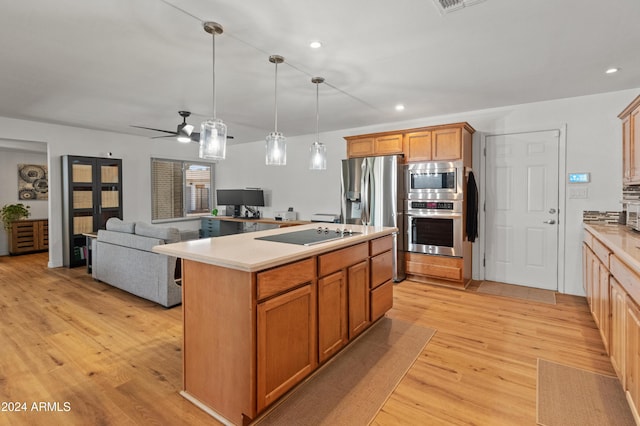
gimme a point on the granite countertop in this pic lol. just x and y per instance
(243, 252)
(624, 242)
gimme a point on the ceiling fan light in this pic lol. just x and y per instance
(318, 157)
(213, 140)
(276, 149)
(184, 133)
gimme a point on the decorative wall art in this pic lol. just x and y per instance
(33, 182)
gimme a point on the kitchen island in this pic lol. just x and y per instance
(259, 316)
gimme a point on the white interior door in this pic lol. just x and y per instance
(521, 219)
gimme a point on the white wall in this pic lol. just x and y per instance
(9, 160)
(136, 153)
(593, 144)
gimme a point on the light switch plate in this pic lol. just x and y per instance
(582, 192)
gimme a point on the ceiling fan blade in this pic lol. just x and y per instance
(195, 137)
(156, 130)
(166, 136)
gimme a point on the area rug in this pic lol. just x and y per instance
(352, 387)
(518, 292)
(570, 396)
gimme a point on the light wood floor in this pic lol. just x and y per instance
(116, 359)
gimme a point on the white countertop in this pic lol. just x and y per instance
(624, 242)
(245, 253)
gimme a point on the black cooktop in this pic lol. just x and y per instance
(309, 237)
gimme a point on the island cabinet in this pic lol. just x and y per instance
(343, 301)
(286, 328)
(631, 143)
(254, 329)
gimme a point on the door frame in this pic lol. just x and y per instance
(479, 252)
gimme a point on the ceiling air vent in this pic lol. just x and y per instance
(446, 6)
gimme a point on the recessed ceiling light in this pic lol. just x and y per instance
(315, 45)
(612, 70)
(399, 107)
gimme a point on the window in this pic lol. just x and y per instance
(180, 189)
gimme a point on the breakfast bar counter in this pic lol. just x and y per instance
(260, 315)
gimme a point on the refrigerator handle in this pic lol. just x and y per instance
(366, 196)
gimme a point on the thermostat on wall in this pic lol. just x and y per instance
(579, 177)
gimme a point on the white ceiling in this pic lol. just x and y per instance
(109, 64)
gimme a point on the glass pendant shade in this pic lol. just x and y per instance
(276, 145)
(318, 156)
(276, 148)
(213, 132)
(317, 151)
(213, 140)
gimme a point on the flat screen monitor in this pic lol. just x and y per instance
(253, 197)
(230, 197)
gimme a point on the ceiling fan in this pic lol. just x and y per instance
(183, 133)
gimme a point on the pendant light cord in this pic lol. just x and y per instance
(276, 100)
(213, 36)
(317, 112)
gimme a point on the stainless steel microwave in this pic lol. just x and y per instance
(434, 180)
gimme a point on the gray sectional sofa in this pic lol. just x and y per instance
(122, 257)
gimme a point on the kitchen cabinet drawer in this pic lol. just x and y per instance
(285, 277)
(627, 278)
(381, 300)
(449, 268)
(381, 268)
(380, 245)
(602, 252)
(340, 259)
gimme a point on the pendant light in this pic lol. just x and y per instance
(276, 146)
(318, 151)
(213, 132)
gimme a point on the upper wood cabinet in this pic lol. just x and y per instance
(367, 146)
(631, 143)
(436, 143)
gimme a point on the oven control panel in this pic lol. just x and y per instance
(431, 205)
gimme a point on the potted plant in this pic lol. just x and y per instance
(12, 212)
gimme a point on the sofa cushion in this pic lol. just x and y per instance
(169, 235)
(117, 225)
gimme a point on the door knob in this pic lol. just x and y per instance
(552, 211)
(550, 222)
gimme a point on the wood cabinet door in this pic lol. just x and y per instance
(358, 294)
(617, 337)
(604, 289)
(388, 145)
(418, 146)
(43, 234)
(332, 315)
(632, 353)
(446, 144)
(634, 138)
(626, 150)
(286, 342)
(360, 147)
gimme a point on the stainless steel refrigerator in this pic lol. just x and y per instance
(372, 194)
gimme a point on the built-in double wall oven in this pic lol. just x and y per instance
(433, 208)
